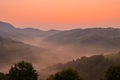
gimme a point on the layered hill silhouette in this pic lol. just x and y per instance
(14, 48)
(95, 37)
(12, 51)
(9, 31)
(93, 67)
(103, 37)
(55, 46)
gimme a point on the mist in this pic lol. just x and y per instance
(49, 54)
(55, 53)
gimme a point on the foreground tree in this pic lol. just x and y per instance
(113, 73)
(68, 74)
(22, 71)
(3, 76)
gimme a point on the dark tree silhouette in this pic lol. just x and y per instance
(68, 74)
(3, 76)
(113, 73)
(22, 71)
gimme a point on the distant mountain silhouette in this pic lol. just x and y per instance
(104, 37)
(100, 38)
(9, 31)
(6, 26)
(97, 38)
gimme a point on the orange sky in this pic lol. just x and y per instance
(46, 14)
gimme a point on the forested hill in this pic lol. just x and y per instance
(91, 68)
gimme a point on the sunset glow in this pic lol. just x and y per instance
(34, 13)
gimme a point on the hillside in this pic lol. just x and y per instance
(103, 37)
(12, 51)
(114, 57)
(92, 67)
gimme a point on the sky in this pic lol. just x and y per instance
(61, 14)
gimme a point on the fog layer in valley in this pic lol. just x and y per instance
(46, 48)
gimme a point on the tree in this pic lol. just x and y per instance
(51, 77)
(113, 73)
(22, 71)
(68, 74)
(3, 76)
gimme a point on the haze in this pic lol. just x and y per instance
(56, 14)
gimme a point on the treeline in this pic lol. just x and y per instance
(97, 67)
(20, 71)
(90, 68)
(25, 71)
